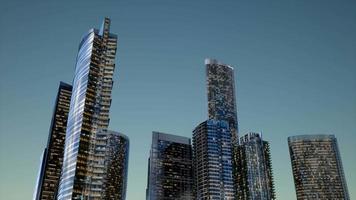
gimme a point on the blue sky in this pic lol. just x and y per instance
(295, 65)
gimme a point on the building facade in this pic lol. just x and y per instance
(212, 152)
(317, 167)
(52, 158)
(110, 166)
(89, 110)
(170, 173)
(254, 169)
(221, 94)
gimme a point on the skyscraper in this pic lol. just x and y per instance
(221, 94)
(212, 151)
(89, 111)
(52, 160)
(170, 173)
(317, 167)
(222, 101)
(254, 169)
(109, 180)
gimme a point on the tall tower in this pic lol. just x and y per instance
(52, 160)
(221, 94)
(170, 173)
(212, 151)
(89, 110)
(254, 169)
(222, 101)
(317, 167)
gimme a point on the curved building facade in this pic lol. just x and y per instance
(110, 166)
(317, 167)
(89, 110)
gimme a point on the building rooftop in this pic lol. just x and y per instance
(210, 61)
(311, 137)
(169, 137)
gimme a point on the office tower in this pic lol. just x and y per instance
(221, 94)
(89, 111)
(170, 173)
(212, 152)
(109, 178)
(254, 169)
(317, 167)
(222, 101)
(52, 158)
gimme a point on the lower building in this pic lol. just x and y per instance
(109, 166)
(212, 151)
(254, 180)
(317, 167)
(170, 174)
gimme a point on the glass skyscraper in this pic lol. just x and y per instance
(52, 159)
(317, 167)
(170, 173)
(89, 111)
(212, 152)
(110, 166)
(221, 94)
(254, 169)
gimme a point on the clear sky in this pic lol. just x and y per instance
(295, 65)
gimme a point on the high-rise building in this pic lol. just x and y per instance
(212, 152)
(89, 111)
(110, 166)
(52, 158)
(221, 94)
(317, 167)
(254, 169)
(170, 173)
(222, 101)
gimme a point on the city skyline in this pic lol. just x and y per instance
(297, 96)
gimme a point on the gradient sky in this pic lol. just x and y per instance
(295, 65)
